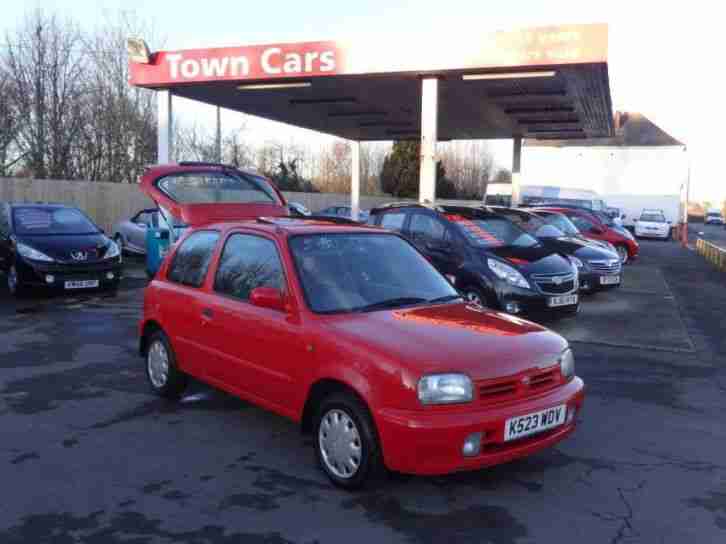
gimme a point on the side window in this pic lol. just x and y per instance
(393, 220)
(191, 260)
(426, 226)
(582, 224)
(4, 221)
(248, 262)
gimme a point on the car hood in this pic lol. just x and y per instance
(61, 246)
(534, 260)
(579, 248)
(451, 338)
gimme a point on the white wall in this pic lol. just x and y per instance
(608, 170)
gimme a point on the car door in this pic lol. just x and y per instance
(181, 299)
(260, 352)
(137, 230)
(430, 235)
(5, 249)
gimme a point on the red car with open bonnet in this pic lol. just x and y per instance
(349, 331)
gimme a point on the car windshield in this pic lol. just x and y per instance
(491, 232)
(30, 220)
(217, 187)
(563, 223)
(350, 272)
(653, 217)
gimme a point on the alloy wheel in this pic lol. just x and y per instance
(474, 298)
(340, 443)
(623, 254)
(157, 364)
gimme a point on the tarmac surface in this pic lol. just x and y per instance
(88, 454)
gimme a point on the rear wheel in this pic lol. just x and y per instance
(622, 253)
(475, 296)
(164, 376)
(346, 445)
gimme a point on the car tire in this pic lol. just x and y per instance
(162, 371)
(622, 253)
(474, 295)
(15, 286)
(341, 418)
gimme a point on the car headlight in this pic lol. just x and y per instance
(567, 364)
(32, 254)
(112, 251)
(445, 389)
(509, 274)
(577, 263)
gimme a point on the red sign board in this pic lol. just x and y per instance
(287, 61)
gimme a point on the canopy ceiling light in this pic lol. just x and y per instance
(313, 101)
(265, 86)
(508, 75)
(356, 113)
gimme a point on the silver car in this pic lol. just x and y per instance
(130, 235)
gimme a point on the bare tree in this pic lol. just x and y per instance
(45, 64)
(8, 124)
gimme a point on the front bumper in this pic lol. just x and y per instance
(429, 442)
(530, 301)
(653, 234)
(34, 274)
(590, 281)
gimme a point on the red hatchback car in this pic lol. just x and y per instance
(351, 332)
(596, 227)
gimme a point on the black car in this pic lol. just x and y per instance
(598, 268)
(57, 247)
(488, 258)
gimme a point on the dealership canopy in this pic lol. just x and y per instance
(542, 83)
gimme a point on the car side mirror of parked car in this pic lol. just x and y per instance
(268, 297)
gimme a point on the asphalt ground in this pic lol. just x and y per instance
(88, 454)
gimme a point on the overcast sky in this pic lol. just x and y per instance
(665, 59)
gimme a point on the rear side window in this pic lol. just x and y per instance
(191, 260)
(393, 220)
(216, 187)
(425, 226)
(248, 262)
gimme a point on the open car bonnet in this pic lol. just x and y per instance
(198, 195)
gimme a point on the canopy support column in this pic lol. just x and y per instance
(355, 180)
(429, 136)
(218, 136)
(165, 126)
(517, 172)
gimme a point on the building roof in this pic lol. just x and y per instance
(535, 83)
(632, 129)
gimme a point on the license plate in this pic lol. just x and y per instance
(564, 300)
(536, 422)
(609, 280)
(82, 284)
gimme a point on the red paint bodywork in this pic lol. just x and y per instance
(274, 358)
(608, 234)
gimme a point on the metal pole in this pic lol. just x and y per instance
(355, 180)
(165, 127)
(429, 136)
(218, 141)
(684, 233)
(517, 172)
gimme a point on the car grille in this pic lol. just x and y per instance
(512, 388)
(555, 284)
(610, 266)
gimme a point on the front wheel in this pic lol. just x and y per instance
(164, 376)
(622, 253)
(475, 296)
(347, 445)
(15, 286)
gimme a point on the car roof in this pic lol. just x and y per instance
(466, 211)
(296, 225)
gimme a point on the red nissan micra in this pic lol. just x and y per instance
(351, 332)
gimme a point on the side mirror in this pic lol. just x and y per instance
(267, 297)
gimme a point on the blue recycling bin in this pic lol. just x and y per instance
(158, 242)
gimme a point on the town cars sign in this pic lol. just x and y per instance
(547, 46)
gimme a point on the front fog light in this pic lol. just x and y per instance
(110, 275)
(511, 307)
(49, 278)
(472, 445)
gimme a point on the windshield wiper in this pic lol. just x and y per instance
(390, 303)
(447, 298)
